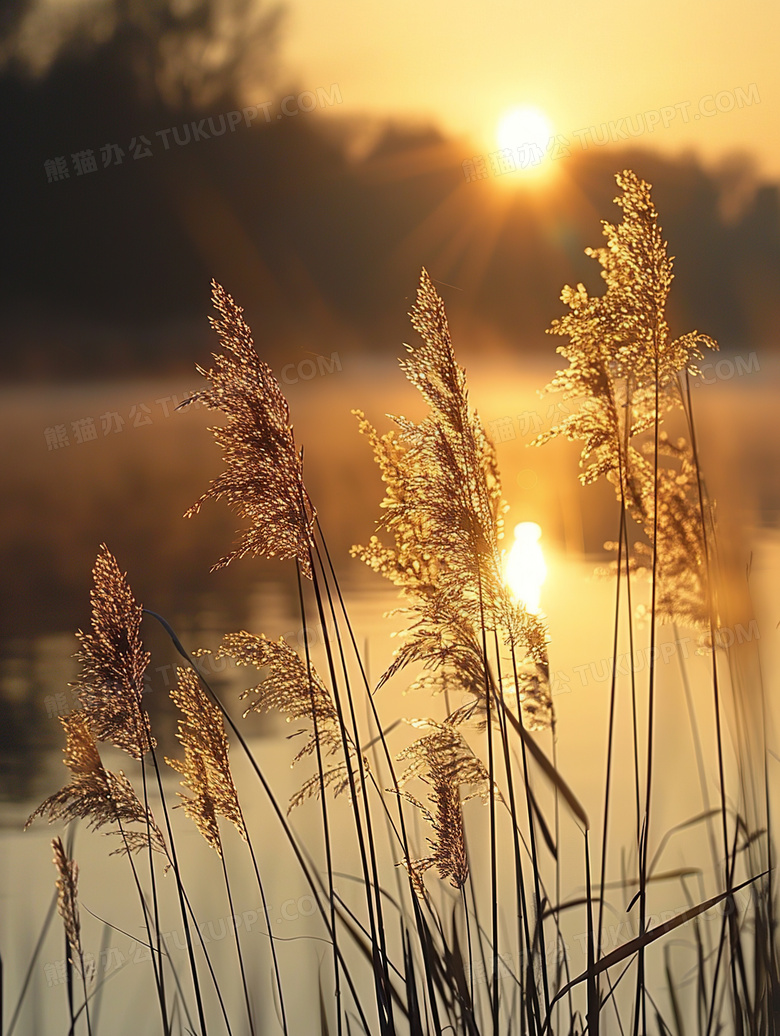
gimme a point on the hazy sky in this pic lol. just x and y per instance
(581, 64)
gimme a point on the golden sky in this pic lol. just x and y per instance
(708, 70)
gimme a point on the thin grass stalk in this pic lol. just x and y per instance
(519, 888)
(271, 798)
(69, 985)
(97, 993)
(423, 934)
(323, 803)
(520, 897)
(350, 913)
(742, 741)
(492, 807)
(267, 916)
(611, 722)
(634, 708)
(415, 1014)
(532, 836)
(768, 944)
(356, 929)
(480, 943)
(28, 974)
(392, 833)
(85, 1005)
(698, 752)
(560, 942)
(157, 965)
(157, 962)
(641, 997)
(611, 996)
(175, 974)
(468, 946)
(715, 682)
(86, 994)
(711, 1012)
(461, 990)
(531, 940)
(238, 945)
(592, 982)
(630, 612)
(737, 959)
(212, 973)
(376, 921)
(175, 864)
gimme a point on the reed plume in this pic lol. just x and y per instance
(263, 478)
(97, 795)
(206, 768)
(298, 692)
(444, 511)
(444, 761)
(68, 903)
(113, 662)
(624, 370)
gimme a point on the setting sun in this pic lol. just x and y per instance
(526, 132)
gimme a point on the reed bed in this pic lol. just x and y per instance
(464, 828)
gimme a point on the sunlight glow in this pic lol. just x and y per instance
(525, 568)
(526, 133)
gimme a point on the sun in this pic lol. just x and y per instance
(526, 133)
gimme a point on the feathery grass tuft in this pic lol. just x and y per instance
(444, 760)
(111, 682)
(206, 768)
(444, 510)
(263, 480)
(289, 687)
(624, 369)
(67, 901)
(97, 795)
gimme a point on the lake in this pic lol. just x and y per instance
(116, 463)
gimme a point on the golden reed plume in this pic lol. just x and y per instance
(444, 761)
(97, 795)
(624, 370)
(113, 662)
(297, 691)
(444, 509)
(206, 768)
(67, 903)
(263, 478)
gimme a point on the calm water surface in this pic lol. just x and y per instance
(128, 486)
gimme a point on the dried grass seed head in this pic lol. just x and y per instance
(263, 477)
(67, 900)
(113, 662)
(297, 691)
(206, 767)
(444, 509)
(98, 796)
